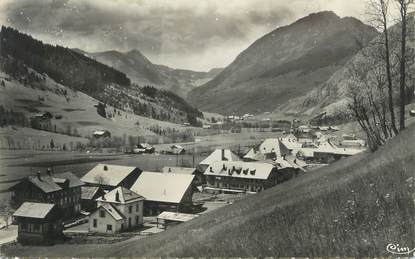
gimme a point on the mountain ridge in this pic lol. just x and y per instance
(143, 72)
(256, 81)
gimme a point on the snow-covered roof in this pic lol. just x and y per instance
(106, 174)
(162, 187)
(34, 210)
(124, 196)
(217, 156)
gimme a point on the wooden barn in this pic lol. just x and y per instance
(164, 192)
(38, 224)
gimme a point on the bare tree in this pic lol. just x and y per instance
(404, 7)
(378, 11)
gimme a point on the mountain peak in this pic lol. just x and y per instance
(283, 64)
(319, 16)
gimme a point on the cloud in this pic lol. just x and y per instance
(181, 33)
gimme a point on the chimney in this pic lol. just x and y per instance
(49, 171)
(211, 169)
(38, 175)
(169, 169)
(223, 155)
(117, 196)
(283, 157)
(105, 168)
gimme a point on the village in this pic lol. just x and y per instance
(115, 202)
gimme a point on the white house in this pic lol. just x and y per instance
(119, 210)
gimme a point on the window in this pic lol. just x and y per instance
(137, 207)
(36, 227)
(109, 227)
(137, 219)
(95, 223)
(24, 226)
(130, 209)
(102, 213)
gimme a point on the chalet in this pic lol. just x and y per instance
(144, 148)
(89, 194)
(168, 218)
(63, 189)
(109, 177)
(119, 210)
(218, 155)
(177, 150)
(101, 134)
(270, 148)
(164, 192)
(41, 121)
(240, 176)
(328, 156)
(38, 223)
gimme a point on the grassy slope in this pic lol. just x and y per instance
(354, 207)
(79, 112)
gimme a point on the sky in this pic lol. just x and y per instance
(189, 34)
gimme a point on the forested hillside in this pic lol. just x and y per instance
(29, 61)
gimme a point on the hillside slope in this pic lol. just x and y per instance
(143, 72)
(77, 110)
(32, 63)
(331, 96)
(284, 64)
(354, 207)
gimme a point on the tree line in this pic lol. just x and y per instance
(382, 78)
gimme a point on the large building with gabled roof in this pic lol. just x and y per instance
(118, 210)
(63, 189)
(164, 191)
(109, 176)
(238, 176)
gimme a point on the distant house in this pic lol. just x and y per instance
(41, 121)
(218, 155)
(119, 210)
(247, 176)
(109, 177)
(268, 149)
(63, 189)
(177, 150)
(164, 192)
(101, 134)
(89, 194)
(328, 156)
(38, 223)
(144, 148)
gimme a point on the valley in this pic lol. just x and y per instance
(293, 149)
